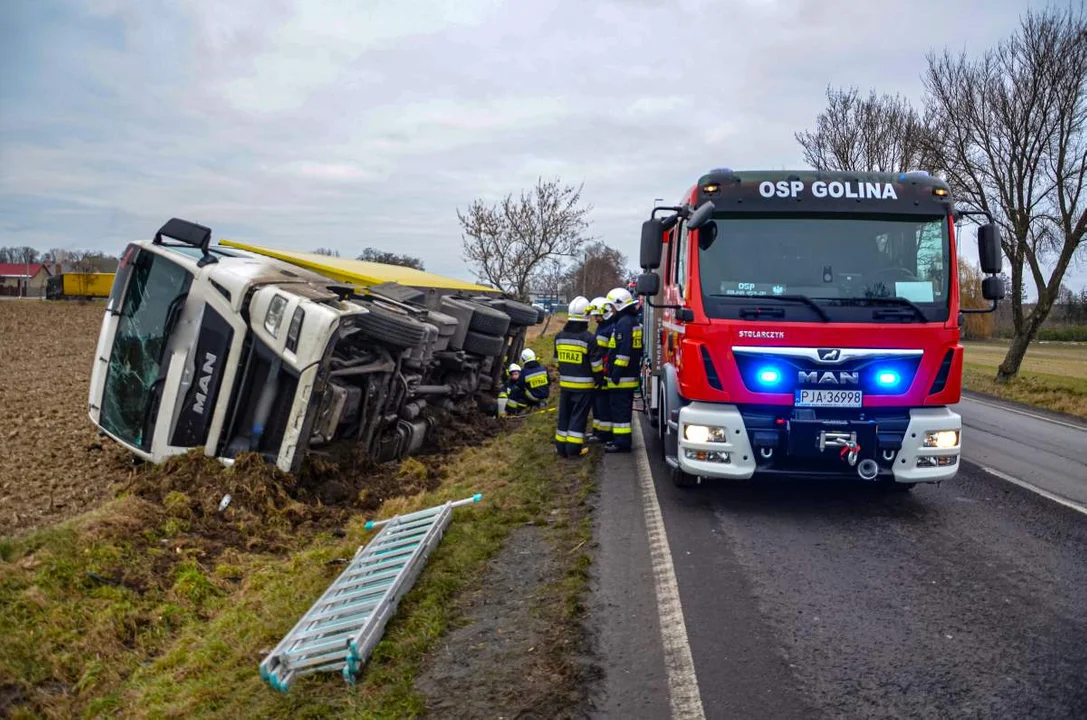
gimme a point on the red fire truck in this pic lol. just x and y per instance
(807, 324)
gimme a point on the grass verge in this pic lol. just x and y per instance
(121, 612)
(1052, 376)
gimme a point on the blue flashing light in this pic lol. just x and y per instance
(769, 376)
(888, 378)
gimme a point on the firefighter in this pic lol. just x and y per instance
(580, 371)
(624, 367)
(535, 385)
(602, 312)
(507, 405)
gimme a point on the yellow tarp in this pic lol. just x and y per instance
(359, 272)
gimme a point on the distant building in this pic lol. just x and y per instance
(547, 299)
(22, 280)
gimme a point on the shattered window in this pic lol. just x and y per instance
(154, 300)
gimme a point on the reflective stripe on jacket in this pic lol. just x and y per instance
(578, 357)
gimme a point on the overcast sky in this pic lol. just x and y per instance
(365, 122)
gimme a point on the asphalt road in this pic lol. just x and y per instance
(1044, 450)
(802, 600)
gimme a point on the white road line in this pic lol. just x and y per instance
(1035, 489)
(678, 662)
(1023, 412)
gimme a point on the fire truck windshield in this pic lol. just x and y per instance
(857, 268)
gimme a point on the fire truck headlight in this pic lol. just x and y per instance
(704, 433)
(942, 439)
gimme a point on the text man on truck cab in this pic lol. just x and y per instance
(807, 324)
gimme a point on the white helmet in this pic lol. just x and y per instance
(579, 308)
(620, 298)
(597, 307)
(514, 367)
(527, 355)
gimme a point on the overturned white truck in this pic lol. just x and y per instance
(234, 351)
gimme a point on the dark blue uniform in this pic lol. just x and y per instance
(624, 373)
(601, 397)
(581, 369)
(533, 387)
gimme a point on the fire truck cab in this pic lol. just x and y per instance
(807, 324)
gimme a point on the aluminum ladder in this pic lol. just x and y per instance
(341, 629)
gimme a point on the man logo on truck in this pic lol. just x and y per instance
(829, 354)
(829, 378)
(204, 383)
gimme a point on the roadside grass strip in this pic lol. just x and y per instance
(113, 614)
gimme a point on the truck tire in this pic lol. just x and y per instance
(463, 313)
(683, 479)
(485, 345)
(520, 314)
(488, 320)
(391, 327)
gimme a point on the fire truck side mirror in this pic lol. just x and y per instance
(992, 288)
(701, 216)
(706, 235)
(652, 233)
(649, 284)
(989, 249)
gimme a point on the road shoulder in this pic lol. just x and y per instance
(623, 620)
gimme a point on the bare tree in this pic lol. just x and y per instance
(880, 133)
(390, 258)
(1011, 141)
(601, 268)
(506, 243)
(326, 251)
(549, 278)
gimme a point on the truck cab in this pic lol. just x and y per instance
(807, 324)
(232, 351)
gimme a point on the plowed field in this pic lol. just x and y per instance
(52, 463)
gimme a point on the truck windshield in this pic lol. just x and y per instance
(155, 297)
(859, 268)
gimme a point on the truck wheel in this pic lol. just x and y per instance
(485, 345)
(683, 479)
(391, 327)
(520, 314)
(488, 320)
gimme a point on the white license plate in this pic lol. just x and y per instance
(828, 398)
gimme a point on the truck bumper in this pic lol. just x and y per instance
(733, 450)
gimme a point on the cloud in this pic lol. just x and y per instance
(346, 124)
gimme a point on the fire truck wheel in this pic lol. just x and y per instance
(683, 479)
